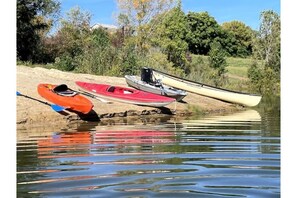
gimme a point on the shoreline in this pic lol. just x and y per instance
(31, 113)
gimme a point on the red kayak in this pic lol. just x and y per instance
(63, 96)
(126, 95)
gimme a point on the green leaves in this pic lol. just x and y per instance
(171, 36)
(217, 61)
(240, 38)
(203, 30)
(32, 21)
(267, 42)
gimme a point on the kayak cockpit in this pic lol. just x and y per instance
(119, 90)
(63, 90)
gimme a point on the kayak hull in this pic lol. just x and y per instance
(125, 95)
(76, 102)
(163, 90)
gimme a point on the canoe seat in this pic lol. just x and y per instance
(111, 89)
(63, 90)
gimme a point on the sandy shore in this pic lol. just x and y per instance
(33, 113)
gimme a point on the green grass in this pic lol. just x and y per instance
(237, 67)
(240, 72)
(237, 71)
(239, 62)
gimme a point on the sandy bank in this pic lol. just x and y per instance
(33, 113)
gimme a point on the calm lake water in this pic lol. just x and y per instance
(233, 155)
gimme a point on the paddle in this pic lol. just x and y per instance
(93, 96)
(56, 108)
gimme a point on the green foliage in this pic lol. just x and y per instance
(267, 41)
(218, 62)
(65, 62)
(72, 37)
(155, 34)
(200, 70)
(137, 16)
(241, 38)
(170, 36)
(32, 21)
(157, 60)
(97, 53)
(129, 61)
(264, 80)
(204, 30)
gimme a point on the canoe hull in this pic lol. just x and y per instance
(244, 99)
(76, 103)
(136, 83)
(125, 95)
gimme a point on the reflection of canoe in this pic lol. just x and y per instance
(155, 88)
(207, 90)
(235, 118)
(133, 137)
(126, 95)
(63, 96)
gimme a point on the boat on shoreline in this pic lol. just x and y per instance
(63, 96)
(125, 95)
(245, 99)
(155, 87)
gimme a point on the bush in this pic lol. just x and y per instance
(217, 61)
(65, 63)
(264, 80)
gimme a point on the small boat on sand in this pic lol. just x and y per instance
(155, 87)
(244, 99)
(125, 95)
(63, 96)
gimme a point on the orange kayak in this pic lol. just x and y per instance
(63, 96)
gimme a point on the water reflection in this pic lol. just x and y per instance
(217, 156)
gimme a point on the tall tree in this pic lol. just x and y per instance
(33, 17)
(218, 62)
(137, 15)
(171, 35)
(242, 36)
(204, 30)
(71, 37)
(267, 47)
(267, 43)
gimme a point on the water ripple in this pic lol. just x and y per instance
(206, 158)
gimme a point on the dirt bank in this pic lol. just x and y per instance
(34, 113)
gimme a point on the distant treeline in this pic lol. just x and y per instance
(150, 33)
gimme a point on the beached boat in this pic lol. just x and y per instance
(63, 96)
(125, 95)
(244, 99)
(155, 87)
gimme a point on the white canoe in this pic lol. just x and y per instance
(244, 99)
